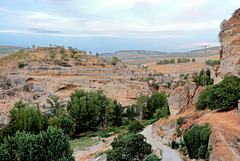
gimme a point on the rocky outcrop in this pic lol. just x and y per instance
(4, 121)
(230, 53)
(183, 96)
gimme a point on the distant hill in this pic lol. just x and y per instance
(137, 56)
(10, 49)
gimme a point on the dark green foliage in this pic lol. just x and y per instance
(129, 147)
(156, 101)
(50, 145)
(180, 121)
(202, 80)
(21, 65)
(193, 60)
(27, 118)
(8, 131)
(196, 140)
(52, 54)
(174, 144)
(88, 109)
(117, 113)
(152, 158)
(166, 61)
(213, 62)
(135, 127)
(161, 113)
(62, 49)
(224, 95)
(130, 112)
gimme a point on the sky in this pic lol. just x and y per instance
(112, 25)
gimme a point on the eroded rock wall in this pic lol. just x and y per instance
(230, 52)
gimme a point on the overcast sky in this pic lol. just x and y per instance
(111, 25)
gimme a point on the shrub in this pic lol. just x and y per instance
(135, 127)
(224, 95)
(202, 79)
(21, 65)
(152, 158)
(50, 145)
(129, 147)
(196, 140)
(174, 144)
(180, 121)
(27, 118)
(52, 54)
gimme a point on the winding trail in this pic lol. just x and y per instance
(168, 153)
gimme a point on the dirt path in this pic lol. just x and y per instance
(168, 153)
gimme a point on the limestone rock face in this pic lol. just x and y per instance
(230, 53)
(181, 97)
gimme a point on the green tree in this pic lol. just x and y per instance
(202, 79)
(52, 54)
(196, 140)
(156, 101)
(179, 60)
(55, 107)
(50, 145)
(88, 109)
(223, 23)
(224, 95)
(141, 104)
(135, 127)
(62, 50)
(97, 54)
(115, 60)
(129, 147)
(33, 47)
(172, 61)
(193, 60)
(24, 117)
(130, 112)
(117, 113)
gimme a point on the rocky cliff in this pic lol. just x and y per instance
(230, 52)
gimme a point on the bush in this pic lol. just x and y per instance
(196, 140)
(135, 127)
(152, 158)
(180, 121)
(50, 145)
(29, 119)
(202, 80)
(21, 65)
(129, 147)
(224, 95)
(174, 144)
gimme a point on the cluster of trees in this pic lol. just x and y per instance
(149, 107)
(203, 78)
(196, 141)
(224, 95)
(166, 61)
(213, 62)
(172, 61)
(48, 145)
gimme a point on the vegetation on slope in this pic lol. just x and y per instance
(224, 95)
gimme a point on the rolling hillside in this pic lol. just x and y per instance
(135, 57)
(10, 49)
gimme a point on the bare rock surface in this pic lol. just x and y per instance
(230, 53)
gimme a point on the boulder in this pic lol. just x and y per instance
(4, 121)
(181, 97)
